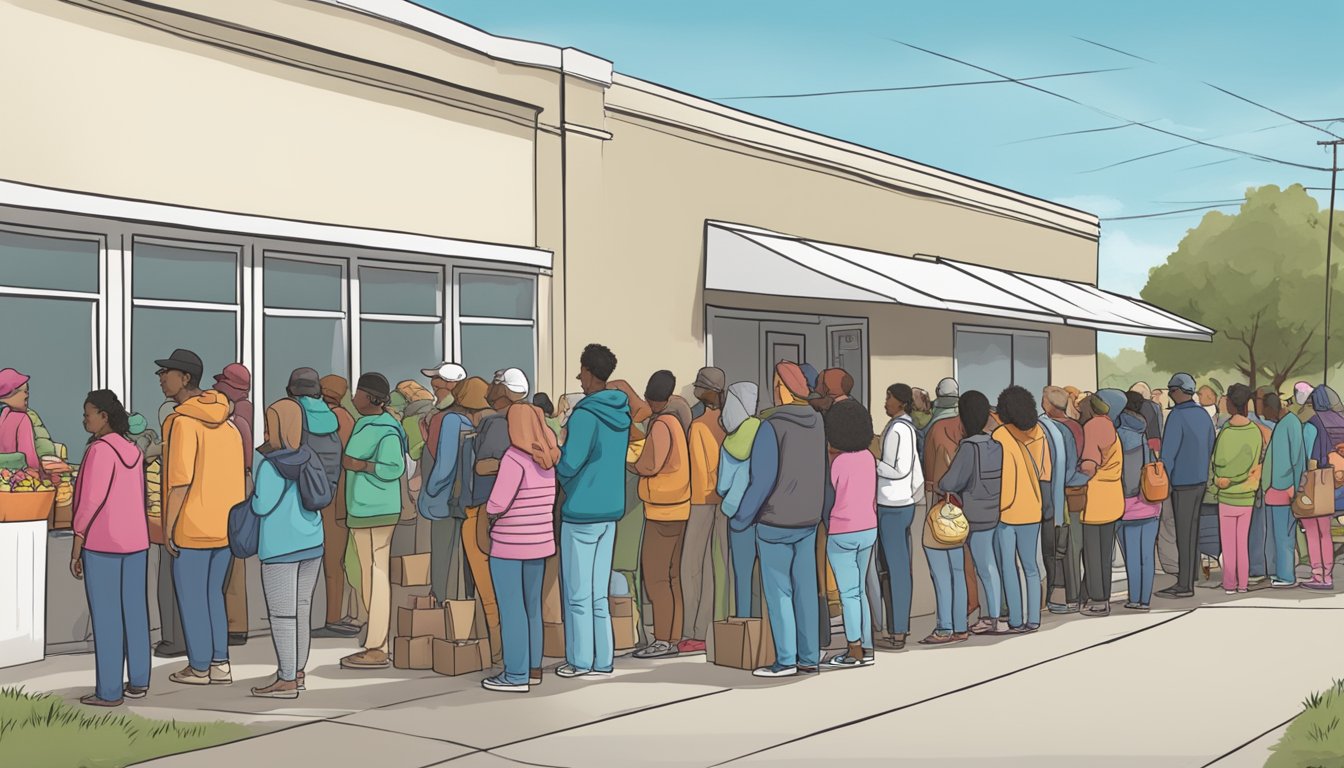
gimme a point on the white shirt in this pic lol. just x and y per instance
(900, 480)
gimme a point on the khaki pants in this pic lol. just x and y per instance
(660, 560)
(704, 527)
(235, 597)
(480, 573)
(374, 546)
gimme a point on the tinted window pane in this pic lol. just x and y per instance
(155, 333)
(59, 361)
(1031, 364)
(495, 296)
(50, 263)
(174, 272)
(400, 292)
(399, 350)
(301, 342)
(291, 284)
(984, 362)
(490, 348)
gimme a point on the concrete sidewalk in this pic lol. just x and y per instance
(1181, 686)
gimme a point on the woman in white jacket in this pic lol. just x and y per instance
(899, 482)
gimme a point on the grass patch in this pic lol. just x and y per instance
(1315, 738)
(46, 730)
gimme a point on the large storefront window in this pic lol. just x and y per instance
(49, 288)
(305, 320)
(183, 296)
(497, 323)
(989, 360)
(401, 321)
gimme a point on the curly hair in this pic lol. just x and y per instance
(1017, 407)
(849, 427)
(599, 361)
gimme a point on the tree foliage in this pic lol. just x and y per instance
(1258, 279)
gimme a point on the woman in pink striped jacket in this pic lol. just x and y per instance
(522, 536)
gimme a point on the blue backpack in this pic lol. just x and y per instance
(244, 530)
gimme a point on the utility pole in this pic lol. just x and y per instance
(1329, 238)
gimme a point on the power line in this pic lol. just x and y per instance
(1169, 213)
(1271, 109)
(1112, 115)
(1069, 133)
(1140, 157)
(1199, 202)
(1215, 162)
(913, 87)
(1117, 50)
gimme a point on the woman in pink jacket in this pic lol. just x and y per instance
(111, 547)
(522, 536)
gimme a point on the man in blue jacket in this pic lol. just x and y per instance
(591, 474)
(1187, 449)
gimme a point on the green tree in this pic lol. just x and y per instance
(1257, 279)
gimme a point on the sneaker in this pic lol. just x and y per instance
(131, 692)
(534, 677)
(775, 670)
(1131, 606)
(1319, 586)
(1229, 591)
(371, 659)
(336, 630)
(985, 627)
(691, 646)
(844, 661)
(893, 642)
(658, 650)
(603, 672)
(869, 658)
(301, 679)
(1062, 608)
(802, 670)
(1243, 591)
(221, 673)
(569, 672)
(278, 690)
(166, 651)
(92, 700)
(939, 638)
(1277, 584)
(499, 685)
(1098, 610)
(1255, 581)
(1175, 594)
(189, 676)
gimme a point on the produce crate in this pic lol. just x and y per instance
(27, 506)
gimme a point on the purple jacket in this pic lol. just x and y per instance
(522, 506)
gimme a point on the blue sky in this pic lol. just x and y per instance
(1278, 54)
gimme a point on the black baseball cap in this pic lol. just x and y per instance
(183, 360)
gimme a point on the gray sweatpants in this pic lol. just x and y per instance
(289, 591)
(697, 568)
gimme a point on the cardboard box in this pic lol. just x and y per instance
(621, 606)
(454, 658)
(743, 644)
(410, 570)
(415, 622)
(413, 652)
(464, 620)
(553, 640)
(423, 602)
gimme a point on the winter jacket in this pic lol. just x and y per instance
(704, 441)
(942, 440)
(592, 463)
(110, 498)
(1187, 445)
(735, 455)
(1286, 459)
(203, 453)
(522, 505)
(664, 471)
(790, 445)
(289, 532)
(373, 498)
(900, 478)
(976, 477)
(1236, 455)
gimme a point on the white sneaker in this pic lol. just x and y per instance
(658, 650)
(569, 672)
(775, 670)
(221, 674)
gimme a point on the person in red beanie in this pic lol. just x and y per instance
(235, 382)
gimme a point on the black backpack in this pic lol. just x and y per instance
(327, 448)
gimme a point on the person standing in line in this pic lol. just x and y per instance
(1151, 412)
(740, 427)
(1138, 526)
(1285, 461)
(375, 460)
(336, 543)
(1063, 548)
(522, 508)
(438, 470)
(851, 524)
(784, 498)
(205, 477)
(941, 439)
(592, 474)
(1103, 463)
(976, 478)
(235, 381)
(664, 472)
(899, 479)
(1236, 478)
(1323, 433)
(706, 529)
(1187, 450)
(1026, 465)
(921, 412)
(111, 548)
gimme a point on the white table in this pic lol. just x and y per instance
(23, 592)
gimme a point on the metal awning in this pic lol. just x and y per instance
(751, 260)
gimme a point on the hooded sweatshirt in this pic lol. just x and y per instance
(705, 442)
(1326, 423)
(741, 428)
(1236, 458)
(333, 388)
(1285, 461)
(373, 498)
(1026, 462)
(976, 476)
(788, 472)
(592, 464)
(522, 503)
(204, 453)
(110, 498)
(289, 532)
(664, 467)
(1101, 446)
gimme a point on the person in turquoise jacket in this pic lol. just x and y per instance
(1285, 461)
(734, 475)
(591, 473)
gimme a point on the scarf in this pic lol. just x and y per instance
(528, 433)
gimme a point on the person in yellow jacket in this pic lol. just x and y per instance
(1026, 467)
(664, 471)
(703, 566)
(1103, 462)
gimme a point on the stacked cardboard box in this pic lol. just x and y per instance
(418, 625)
(624, 622)
(465, 647)
(410, 570)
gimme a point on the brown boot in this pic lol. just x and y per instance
(370, 659)
(534, 677)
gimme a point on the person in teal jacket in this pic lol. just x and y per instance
(734, 474)
(1285, 461)
(375, 460)
(591, 473)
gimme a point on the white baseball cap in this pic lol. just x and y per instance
(446, 371)
(513, 379)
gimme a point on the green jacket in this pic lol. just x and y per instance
(373, 498)
(41, 436)
(1236, 456)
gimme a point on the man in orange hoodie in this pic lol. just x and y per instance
(706, 529)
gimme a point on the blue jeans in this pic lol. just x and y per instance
(742, 546)
(1017, 545)
(199, 575)
(849, 554)
(585, 570)
(1258, 543)
(948, 569)
(986, 558)
(119, 609)
(518, 592)
(789, 580)
(1283, 532)
(1138, 543)
(893, 524)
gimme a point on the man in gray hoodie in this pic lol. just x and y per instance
(790, 445)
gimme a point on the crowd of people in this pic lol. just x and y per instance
(748, 511)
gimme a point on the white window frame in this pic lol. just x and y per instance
(460, 320)
(267, 253)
